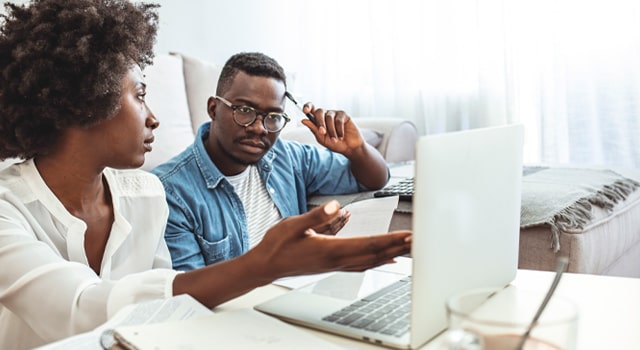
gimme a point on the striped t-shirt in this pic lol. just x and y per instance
(259, 209)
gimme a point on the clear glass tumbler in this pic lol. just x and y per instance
(496, 319)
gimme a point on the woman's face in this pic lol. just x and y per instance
(129, 134)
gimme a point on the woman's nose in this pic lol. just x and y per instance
(152, 121)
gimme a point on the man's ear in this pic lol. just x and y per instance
(211, 107)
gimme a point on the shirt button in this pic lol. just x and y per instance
(271, 190)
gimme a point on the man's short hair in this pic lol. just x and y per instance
(251, 63)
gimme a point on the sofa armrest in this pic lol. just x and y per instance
(399, 137)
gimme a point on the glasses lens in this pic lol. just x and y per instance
(274, 122)
(244, 115)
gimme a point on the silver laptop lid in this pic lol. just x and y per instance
(466, 218)
(466, 212)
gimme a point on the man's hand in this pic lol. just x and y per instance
(334, 130)
(336, 224)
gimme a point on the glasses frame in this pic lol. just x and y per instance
(256, 113)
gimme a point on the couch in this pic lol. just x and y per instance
(608, 243)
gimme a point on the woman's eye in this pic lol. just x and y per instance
(141, 96)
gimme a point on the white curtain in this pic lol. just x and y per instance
(576, 73)
(569, 70)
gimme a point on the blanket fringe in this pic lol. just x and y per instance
(578, 215)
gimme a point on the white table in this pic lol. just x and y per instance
(609, 308)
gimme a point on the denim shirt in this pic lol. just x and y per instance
(207, 222)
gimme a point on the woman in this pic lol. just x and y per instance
(81, 236)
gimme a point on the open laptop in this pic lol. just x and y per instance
(466, 218)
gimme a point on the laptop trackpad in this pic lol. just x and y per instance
(351, 285)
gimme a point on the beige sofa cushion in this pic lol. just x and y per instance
(597, 227)
(200, 80)
(167, 99)
(610, 245)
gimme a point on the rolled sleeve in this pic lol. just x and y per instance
(134, 288)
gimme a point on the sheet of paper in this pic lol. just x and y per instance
(369, 216)
(234, 329)
(180, 307)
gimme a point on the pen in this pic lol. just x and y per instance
(309, 115)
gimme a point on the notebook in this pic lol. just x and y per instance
(231, 329)
(466, 215)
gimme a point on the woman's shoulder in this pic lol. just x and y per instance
(14, 177)
(134, 182)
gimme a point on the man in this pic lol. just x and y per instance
(238, 178)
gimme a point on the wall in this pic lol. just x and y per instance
(215, 30)
(300, 35)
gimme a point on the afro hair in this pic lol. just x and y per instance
(61, 65)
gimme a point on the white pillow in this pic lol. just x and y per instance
(167, 99)
(201, 80)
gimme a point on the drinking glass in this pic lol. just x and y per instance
(498, 319)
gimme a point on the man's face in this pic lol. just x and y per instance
(233, 147)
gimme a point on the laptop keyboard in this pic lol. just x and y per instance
(403, 188)
(386, 311)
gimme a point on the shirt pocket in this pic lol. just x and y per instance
(217, 251)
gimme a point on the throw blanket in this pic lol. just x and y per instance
(563, 197)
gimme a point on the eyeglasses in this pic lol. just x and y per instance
(244, 116)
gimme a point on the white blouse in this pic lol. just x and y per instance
(47, 289)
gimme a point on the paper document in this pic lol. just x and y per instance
(369, 216)
(180, 307)
(234, 329)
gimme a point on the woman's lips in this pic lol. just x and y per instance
(147, 144)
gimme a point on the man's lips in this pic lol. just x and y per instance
(253, 143)
(252, 146)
